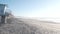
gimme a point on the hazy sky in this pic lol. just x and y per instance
(34, 8)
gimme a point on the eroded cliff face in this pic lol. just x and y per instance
(28, 26)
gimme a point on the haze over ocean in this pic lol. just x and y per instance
(35, 8)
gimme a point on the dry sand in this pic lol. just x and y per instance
(29, 26)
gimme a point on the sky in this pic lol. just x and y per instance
(34, 8)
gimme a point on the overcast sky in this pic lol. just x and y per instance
(34, 8)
